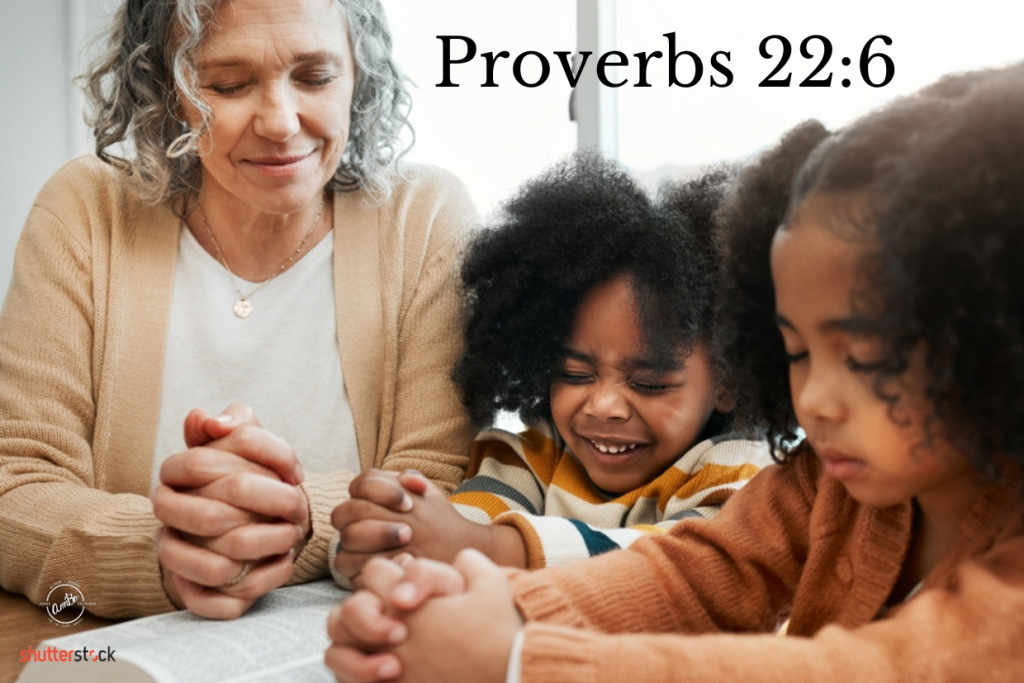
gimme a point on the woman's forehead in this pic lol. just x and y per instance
(274, 29)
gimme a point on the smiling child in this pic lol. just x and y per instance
(590, 312)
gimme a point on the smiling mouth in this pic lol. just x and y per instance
(278, 161)
(614, 449)
(279, 167)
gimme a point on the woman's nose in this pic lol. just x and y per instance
(277, 118)
(606, 402)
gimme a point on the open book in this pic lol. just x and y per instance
(281, 638)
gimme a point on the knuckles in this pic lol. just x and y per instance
(198, 464)
(214, 570)
(379, 487)
(160, 503)
(228, 612)
(336, 624)
(210, 520)
(249, 439)
(349, 665)
(349, 565)
(238, 488)
(251, 541)
(244, 438)
(240, 544)
(348, 538)
(349, 511)
(247, 591)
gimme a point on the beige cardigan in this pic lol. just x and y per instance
(82, 338)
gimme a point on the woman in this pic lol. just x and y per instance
(256, 246)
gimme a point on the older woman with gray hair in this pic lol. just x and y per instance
(245, 236)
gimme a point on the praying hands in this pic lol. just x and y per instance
(425, 621)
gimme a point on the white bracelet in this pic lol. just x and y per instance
(514, 673)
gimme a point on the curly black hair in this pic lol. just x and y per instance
(942, 171)
(745, 314)
(583, 222)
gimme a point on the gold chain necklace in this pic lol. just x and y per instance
(242, 307)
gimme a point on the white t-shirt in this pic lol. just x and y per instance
(282, 360)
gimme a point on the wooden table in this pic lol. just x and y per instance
(24, 624)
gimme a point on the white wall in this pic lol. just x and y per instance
(39, 110)
(34, 117)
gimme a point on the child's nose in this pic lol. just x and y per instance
(819, 397)
(606, 402)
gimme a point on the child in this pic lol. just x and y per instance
(590, 316)
(879, 269)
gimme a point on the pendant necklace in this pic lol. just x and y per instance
(242, 307)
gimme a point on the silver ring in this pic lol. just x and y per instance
(241, 575)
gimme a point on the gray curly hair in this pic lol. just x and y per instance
(133, 94)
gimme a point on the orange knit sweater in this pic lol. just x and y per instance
(792, 538)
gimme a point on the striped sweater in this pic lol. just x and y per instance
(533, 482)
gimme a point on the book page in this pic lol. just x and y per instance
(281, 638)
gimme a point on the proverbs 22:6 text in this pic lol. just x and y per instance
(686, 69)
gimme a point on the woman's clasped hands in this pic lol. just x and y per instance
(233, 512)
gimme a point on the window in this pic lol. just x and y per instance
(493, 138)
(665, 131)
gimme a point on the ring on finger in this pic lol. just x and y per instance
(241, 575)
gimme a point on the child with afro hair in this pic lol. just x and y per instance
(874, 298)
(589, 315)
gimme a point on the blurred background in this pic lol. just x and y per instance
(496, 138)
